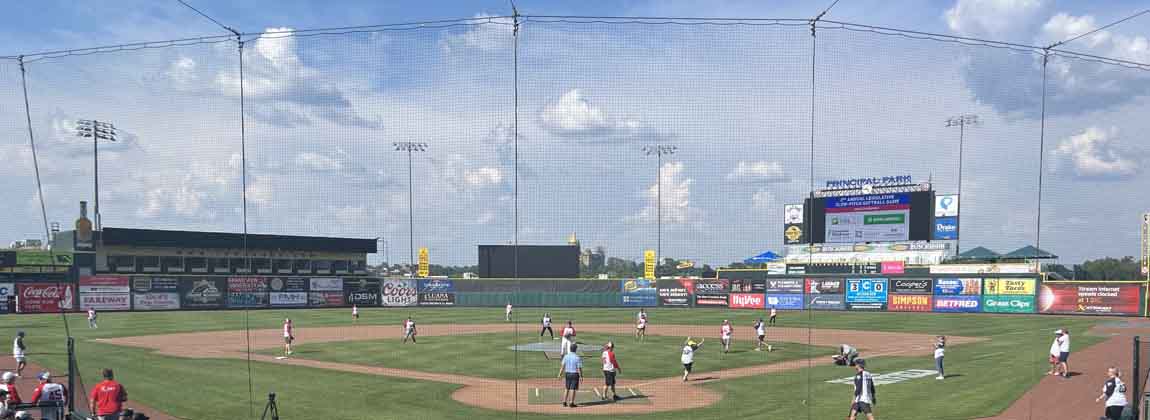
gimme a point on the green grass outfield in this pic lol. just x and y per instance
(993, 373)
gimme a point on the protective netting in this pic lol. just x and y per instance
(685, 138)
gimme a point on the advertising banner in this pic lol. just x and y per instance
(866, 290)
(711, 292)
(816, 286)
(747, 301)
(400, 292)
(946, 206)
(826, 302)
(104, 284)
(155, 301)
(892, 267)
(748, 285)
(247, 292)
(649, 264)
(436, 292)
(155, 284)
(105, 301)
(326, 284)
(675, 292)
(1020, 287)
(322, 299)
(911, 286)
(866, 306)
(909, 303)
(288, 284)
(1092, 298)
(203, 292)
(287, 298)
(639, 292)
(957, 287)
(44, 297)
(945, 229)
(362, 291)
(1008, 304)
(793, 224)
(983, 269)
(789, 286)
(957, 303)
(785, 301)
(424, 263)
(868, 218)
(6, 290)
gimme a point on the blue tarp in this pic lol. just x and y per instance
(765, 257)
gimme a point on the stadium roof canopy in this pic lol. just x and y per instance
(1029, 252)
(979, 253)
(189, 239)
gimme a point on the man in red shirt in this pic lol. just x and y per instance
(108, 397)
(610, 369)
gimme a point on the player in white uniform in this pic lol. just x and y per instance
(92, 318)
(726, 332)
(409, 330)
(774, 314)
(507, 313)
(547, 327)
(568, 337)
(641, 325)
(49, 393)
(354, 314)
(289, 337)
(18, 349)
(761, 331)
(688, 357)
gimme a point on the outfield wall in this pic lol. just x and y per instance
(749, 290)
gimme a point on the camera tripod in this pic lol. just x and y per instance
(271, 409)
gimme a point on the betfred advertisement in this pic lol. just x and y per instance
(322, 299)
(957, 304)
(105, 301)
(203, 292)
(867, 290)
(949, 286)
(400, 292)
(638, 292)
(1021, 287)
(675, 292)
(788, 286)
(155, 301)
(711, 293)
(785, 301)
(44, 297)
(104, 284)
(362, 291)
(909, 303)
(747, 301)
(1093, 298)
(1008, 304)
(911, 286)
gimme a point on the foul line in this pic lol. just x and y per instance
(633, 394)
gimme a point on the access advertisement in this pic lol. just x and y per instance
(785, 301)
(868, 218)
(957, 303)
(44, 297)
(676, 292)
(436, 292)
(1019, 287)
(909, 303)
(746, 301)
(1090, 298)
(950, 286)
(400, 292)
(825, 294)
(247, 292)
(638, 292)
(711, 292)
(1015, 304)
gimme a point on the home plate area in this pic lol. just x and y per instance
(891, 378)
(550, 350)
(588, 397)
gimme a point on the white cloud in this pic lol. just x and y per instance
(491, 34)
(317, 162)
(181, 200)
(573, 114)
(999, 19)
(260, 190)
(676, 199)
(182, 72)
(487, 175)
(765, 200)
(758, 169)
(1095, 154)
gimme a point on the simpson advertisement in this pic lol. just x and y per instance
(711, 292)
(909, 303)
(1094, 298)
(676, 292)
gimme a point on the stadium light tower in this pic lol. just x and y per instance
(96, 130)
(409, 147)
(961, 121)
(658, 150)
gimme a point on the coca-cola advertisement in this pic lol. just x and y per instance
(45, 297)
(105, 301)
(399, 292)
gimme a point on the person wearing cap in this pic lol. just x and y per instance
(847, 355)
(864, 399)
(108, 397)
(939, 353)
(1114, 393)
(1055, 351)
(568, 337)
(571, 370)
(18, 353)
(8, 384)
(725, 335)
(409, 330)
(507, 313)
(688, 357)
(51, 396)
(610, 369)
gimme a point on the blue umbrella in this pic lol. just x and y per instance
(765, 257)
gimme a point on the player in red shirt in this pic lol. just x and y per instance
(108, 398)
(8, 383)
(610, 369)
(50, 392)
(727, 330)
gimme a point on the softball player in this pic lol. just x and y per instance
(688, 357)
(354, 314)
(761, 331)
(18, 349)
(568, 337)
(288, 336)
(507, 313)
(547, 326)
(409, 330)
(641, 325)
(726, 331)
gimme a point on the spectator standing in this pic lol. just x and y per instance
(47, 393)
(571, 370)
(108, 397)
(1114, 392)
(1064, 353)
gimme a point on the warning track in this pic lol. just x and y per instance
(665, 394)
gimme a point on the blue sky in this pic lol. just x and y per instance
(321, 112)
